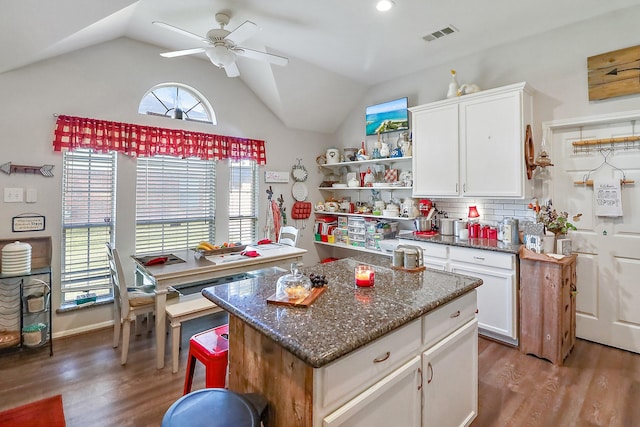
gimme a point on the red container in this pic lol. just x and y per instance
(484, 232)
(492, 233)
(474, 230)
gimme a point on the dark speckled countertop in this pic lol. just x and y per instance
(344, 317)
(486, 244)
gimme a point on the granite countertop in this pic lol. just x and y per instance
(486, 244)
(344, 317)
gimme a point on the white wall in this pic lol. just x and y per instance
(107, 82)
(554, 64)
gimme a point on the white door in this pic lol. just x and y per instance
(450, 370)
(392, 401)
(608, 264)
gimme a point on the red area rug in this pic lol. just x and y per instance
(42, 413)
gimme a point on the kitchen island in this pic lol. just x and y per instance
(364, 354)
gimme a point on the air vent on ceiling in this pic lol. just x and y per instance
(440, 33)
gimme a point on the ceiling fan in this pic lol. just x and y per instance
(223, 46)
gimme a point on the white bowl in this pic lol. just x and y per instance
(335, 185)
(390, 213)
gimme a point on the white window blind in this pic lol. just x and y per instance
(243, 194)
(175, 203)
(88, 219)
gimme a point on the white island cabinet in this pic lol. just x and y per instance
(439, 355)
(473, 146)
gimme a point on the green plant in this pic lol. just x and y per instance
(554, 221)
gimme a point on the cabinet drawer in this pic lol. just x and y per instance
(444, 320)
(348, 376)
(482, 257)
(429, 250)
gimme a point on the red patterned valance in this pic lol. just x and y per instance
(144, 141)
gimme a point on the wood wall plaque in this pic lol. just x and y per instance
(615, 73)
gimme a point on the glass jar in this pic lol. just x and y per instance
(293, 286)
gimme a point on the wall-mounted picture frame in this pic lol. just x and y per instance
(281, 177)
(23, 223)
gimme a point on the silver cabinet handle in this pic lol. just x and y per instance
(383, 358)
(430, 369)
(456, 314)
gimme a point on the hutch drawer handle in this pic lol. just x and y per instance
(430, 368)
(479, 258)
(456, 314)
(383, 358)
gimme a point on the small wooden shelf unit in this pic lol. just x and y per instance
(547, 305)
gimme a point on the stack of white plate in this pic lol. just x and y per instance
(16, 258)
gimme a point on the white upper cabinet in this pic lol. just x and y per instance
(473, 146)
(435, 151)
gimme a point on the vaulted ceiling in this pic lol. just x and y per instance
(336, 48)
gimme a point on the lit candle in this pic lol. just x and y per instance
(364, 275)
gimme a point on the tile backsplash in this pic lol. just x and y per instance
(491, 211)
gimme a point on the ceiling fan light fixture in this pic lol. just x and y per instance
(384, 5)
(220, 56)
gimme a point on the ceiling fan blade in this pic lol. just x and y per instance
(182, 52)
(180, 31)
(232, 70)
(243, 32)
(263, 56)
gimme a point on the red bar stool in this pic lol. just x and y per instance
(211, 348)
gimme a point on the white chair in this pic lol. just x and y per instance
(128, 303)
(288, 235)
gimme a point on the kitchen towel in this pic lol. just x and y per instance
(607, 197)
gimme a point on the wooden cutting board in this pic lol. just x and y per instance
(298, 302)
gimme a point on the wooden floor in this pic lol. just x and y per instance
(96, 390)
(598, 386)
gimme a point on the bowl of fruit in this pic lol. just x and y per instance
(207, 249)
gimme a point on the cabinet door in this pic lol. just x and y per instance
(393, 401)
(496, 300)
(435, 152)
(450, 370)
(492, 146)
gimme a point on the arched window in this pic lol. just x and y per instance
(177, 101)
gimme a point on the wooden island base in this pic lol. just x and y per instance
(257, 364)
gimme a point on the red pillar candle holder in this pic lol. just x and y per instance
(365, 276)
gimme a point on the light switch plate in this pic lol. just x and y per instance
(32, 195)
(13, 195)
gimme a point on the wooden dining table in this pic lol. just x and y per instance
(190, 268)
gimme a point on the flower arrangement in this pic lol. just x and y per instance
(554, 221)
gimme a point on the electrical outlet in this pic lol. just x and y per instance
(13, 195)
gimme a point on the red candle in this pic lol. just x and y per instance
(365, 276)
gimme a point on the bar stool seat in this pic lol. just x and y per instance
(216, 407)
(211, 348)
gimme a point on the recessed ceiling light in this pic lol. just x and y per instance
(384, 5)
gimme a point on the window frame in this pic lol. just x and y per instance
(170, 184)
(170, 105)
(95, 276)
(235, 212)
